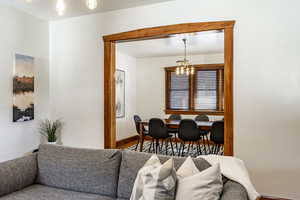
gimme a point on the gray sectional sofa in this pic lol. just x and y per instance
(64, 173)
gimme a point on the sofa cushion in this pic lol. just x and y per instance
(82, 170)
(133, 161)
(40, 192)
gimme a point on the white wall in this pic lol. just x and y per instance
(22, 33)
(151, 90)
(267, 78)
(76, 76)
(125, 126)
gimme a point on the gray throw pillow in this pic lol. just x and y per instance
(155, 181)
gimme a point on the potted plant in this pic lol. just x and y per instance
(50, 130)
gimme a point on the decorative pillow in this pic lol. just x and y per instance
(155, 181)
(194, 185)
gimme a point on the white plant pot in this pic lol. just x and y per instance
(51, 142)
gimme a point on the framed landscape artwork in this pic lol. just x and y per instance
(120, 93)
(23, 88)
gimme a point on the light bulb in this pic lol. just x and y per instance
(192, 70)
(177, 71)
(187, 71)
(60, 7)
(91, 4)
(182, 70)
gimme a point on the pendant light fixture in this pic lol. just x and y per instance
(184, 67)
(60, 7)
(92, 4)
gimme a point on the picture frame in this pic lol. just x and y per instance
(120, 93)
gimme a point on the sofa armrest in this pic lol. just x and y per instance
(17, 174)
(234, 191)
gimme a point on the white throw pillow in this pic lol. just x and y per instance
(155, 181)
(194, 185)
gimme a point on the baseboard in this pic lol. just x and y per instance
(126, 140)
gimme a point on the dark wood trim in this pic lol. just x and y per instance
(271, 198)
(220, 89)
(199, 66)
(191, 91)
(194, 112)
(109, 96)
(228, 92)
(158, 32)
(167, 90)
(124, 141)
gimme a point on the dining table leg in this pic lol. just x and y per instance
(142, 137)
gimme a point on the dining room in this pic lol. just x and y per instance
(170, 94)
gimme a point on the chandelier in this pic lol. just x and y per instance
(61, 6)
(184, 67)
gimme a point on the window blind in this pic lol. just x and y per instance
(179, 92)
(206, 90)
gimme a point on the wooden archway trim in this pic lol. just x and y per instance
(159, 32)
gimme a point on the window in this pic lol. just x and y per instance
(179, 91)
(198, 93)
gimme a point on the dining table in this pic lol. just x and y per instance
(202, 125)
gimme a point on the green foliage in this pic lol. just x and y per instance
(50, 129)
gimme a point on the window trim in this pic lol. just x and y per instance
(192, 92)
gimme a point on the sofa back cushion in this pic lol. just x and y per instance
(82, 170)
(17, 174)
(133, 161)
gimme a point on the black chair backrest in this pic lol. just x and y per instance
(157, 128)
(188, 130)
(174, 117)
(201, 118)
(217, 132)
(137, 120)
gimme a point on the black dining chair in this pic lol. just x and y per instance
(203, 133)
(174, 131)
(159, 131)
(137, 121)
(217, 136)
(188, 132)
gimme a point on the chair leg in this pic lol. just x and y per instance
(188, 151)
(156, 145)
(215, 149)
(219, 146)
(171, 147)
(208, 143)
(203, 141)
(178, 151)
(150, 145)
(175, 137)
(193, 148)
(182, 153)
(199, 147)
(137, 144)
(162, 145)
(166, 147)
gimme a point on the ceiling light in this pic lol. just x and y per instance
(60, 7)
(91, 4)
(184, 67)
(28, 1)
